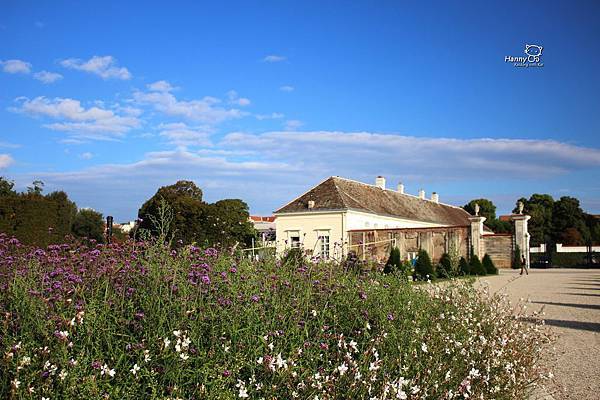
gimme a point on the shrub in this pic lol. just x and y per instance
(444, 268)
(475, 266)
(293, 257)
(488, 265)
(140, 321)
(423, 267)
(393, 263)
(464, 267)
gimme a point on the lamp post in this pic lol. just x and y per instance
(109, 228)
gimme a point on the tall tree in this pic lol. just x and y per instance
(6, 187)
(540, 207)
(566, 214)
(89, 224)
(487, 209)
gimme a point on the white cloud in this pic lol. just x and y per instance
(5, 161)
(16, 66)
(274, 58)
(182, 135)
(293, 124)
(47, 77)
(286, 88)
(205, 110)
(9, 145)
(274, 115)
(93, 123)
(104, 67)
(86, 156)
(160, 86)
(234, 98)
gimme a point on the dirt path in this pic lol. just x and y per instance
(570, 299)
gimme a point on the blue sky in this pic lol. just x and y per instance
(261, 100)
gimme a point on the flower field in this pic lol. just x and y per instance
(140, 321)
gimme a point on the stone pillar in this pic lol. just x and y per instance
(476, 233)
(521, 234)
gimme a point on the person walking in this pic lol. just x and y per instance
(524, 265)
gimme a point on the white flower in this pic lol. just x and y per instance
(135, 369)
(16, 383)
(424, 348)
(184, 356)
(176, 333)
(260, 360)
(271, 346)
(281, 363)
(314, 313)
(147, 356)
(166, 342)
(474, 373)
(107, 371)
(62, 375)
(342, 369)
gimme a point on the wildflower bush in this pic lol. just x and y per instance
(140, 321)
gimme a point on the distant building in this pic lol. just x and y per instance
(265, 226)
(341, 215)
(126, 227)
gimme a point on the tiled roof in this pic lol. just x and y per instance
(342, 194)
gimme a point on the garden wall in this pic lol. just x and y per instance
(500, 249)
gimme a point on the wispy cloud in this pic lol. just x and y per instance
(160, 86)
(274, 115)
(9, 145)
(86, 156)
(5, 161)
(182, 135)
(94, 123)
(16, 66)
(286, 88)
(105, 67)
(274, 58)
(47, 77)
(234, 98)
(205, 110)
(293, 124)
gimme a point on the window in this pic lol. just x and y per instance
(295, 241)
(324, 239)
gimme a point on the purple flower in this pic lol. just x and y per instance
(205, 279)
(390, 317)
(226, 373)
(255, 298)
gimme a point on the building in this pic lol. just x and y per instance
(265, 226)
(341, 215)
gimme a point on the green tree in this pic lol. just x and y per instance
(444, 268)
(394, 263)
(487, 209)
(36, 188)
(540, 207)
(423, 267)
(488, 265)
(566, 214)
(463, 266)
(6, 187)
(476, 267)
(231, 223)
(89, 224)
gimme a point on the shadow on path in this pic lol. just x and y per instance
(588, 306)
(582, 326)
(583, 294)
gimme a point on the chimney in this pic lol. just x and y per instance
(401, 188)
(435, 197)
(380, 182)
(422, 194)
(311, 204)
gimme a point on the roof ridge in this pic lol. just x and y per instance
(305, 193)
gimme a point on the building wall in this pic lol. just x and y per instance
(500, 249)
(363, 220)
(309, 226)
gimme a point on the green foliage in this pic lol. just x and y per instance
(463, 267)
(423, 267)
(394, 263)
(223, 223)
(293, 258)
(6, 187)
(487, 209)
(488, 265)
(444, 268)
(36, 219)
(476, 267)
(89, 224)
(516, 261)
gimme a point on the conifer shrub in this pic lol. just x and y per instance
(463, 267)
(476, 267)
(423, 267)
(393, 263)
(444, 268)
(488, 265)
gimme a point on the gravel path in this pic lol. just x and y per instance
(570, 299)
